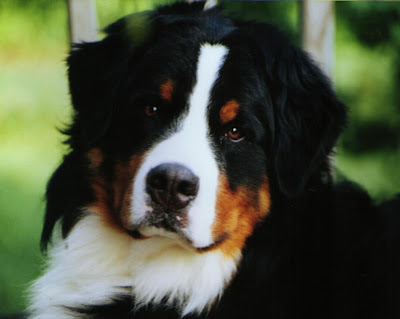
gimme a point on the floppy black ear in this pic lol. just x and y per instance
(94, 72)
(90, 74)
(67, 192)
(308, 115)
(91, 67)
(309, 119)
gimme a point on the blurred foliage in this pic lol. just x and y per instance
(369, 33)
(34, 101)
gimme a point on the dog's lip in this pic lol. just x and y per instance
(214, 244)
(139, 233)
(136, 234)
(188, 243)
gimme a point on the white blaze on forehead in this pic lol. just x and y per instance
(191, 147)
(202, 214)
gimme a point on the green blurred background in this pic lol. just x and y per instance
(34, 101)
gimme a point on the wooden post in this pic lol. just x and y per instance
(82, 21)
(318, 32)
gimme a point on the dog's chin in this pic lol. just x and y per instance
(156, 232)
(176, 237)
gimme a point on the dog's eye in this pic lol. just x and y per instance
(234, 134)
(150, 110)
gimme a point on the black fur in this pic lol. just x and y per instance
(325, 250)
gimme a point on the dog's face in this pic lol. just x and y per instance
(203, 175)
(184, 127)
(199, 172)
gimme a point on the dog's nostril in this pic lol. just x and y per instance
(188, 187)
(158, 181)
(172, 185)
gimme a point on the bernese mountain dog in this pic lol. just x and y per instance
(198, 183)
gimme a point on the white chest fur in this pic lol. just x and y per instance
(96, 263)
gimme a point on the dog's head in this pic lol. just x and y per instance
(186, 122)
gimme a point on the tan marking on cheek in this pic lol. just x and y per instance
(123, 185)
(229, 111)
(167, 90)
(113, 197)
(95, 158)
(237, 214)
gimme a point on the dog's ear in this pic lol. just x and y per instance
(309, 120)
(94, 72)
(67, 192)
(89, 77)
(308, 115)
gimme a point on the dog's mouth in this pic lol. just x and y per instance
(136, 234)
(170, 225)
(181, 239)
(161, 222)
(147, 232)
(169, 219)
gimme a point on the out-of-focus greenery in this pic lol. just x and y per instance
(367, 78)
(34, 101)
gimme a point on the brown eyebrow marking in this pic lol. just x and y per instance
(166, 90)
(229, 111)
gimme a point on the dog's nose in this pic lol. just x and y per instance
(172, 185)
